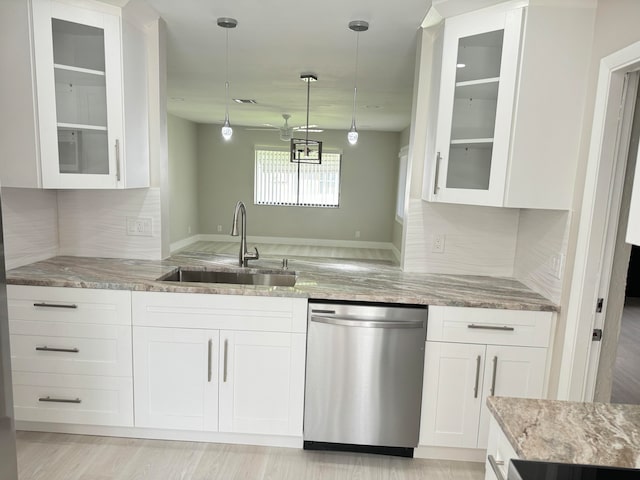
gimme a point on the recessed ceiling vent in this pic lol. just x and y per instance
(245, 100)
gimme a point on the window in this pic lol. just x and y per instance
(278, 181)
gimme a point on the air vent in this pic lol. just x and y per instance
(244, 100)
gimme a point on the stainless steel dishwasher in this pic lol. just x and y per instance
(363, 386)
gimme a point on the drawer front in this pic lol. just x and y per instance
(490, 326)
(70, 305)
(52, 347)
(88, 400)
(225, 312)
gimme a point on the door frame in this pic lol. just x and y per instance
(599, 213)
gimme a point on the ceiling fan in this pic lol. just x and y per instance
(286, 131)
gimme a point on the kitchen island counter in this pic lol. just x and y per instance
(570, 432)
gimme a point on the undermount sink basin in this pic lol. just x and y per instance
(272, 279)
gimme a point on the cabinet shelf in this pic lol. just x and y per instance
(85, 77)
(486, 89)
(78, 126)
(473, 142)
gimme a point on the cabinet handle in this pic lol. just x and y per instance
(495, 466)
(491, 327)
(475, 388)
(224, 372)
(437, 175)
(55, 305)
(493, 379)
(118, 160)
(54, 349)
(210, 347)
(59, 400)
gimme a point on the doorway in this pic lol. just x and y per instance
(625, 386)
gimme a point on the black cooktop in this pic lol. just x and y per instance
(532, 470)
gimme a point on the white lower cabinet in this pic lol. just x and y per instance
(246, 380)
(499, 453)
(462, 369)
(176, 378)
(261, 382)
(71, 355)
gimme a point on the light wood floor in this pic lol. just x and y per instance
(626, 371)
(48, 456)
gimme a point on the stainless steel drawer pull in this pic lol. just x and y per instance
(209, 354)
(491, 327)
(493, 379)
(224, 373)
(495, 466)
(55, 349)
(59, 400)
(55, 305)
(368, 323)
(475, 388)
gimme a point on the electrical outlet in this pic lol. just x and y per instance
(437, 243)
(140, 226)
(219, 228)
(557, 265)
(357, 233)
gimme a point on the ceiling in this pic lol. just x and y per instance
(277, 40)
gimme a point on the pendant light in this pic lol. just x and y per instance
(304, 150)
(356, 26)
(227, 23)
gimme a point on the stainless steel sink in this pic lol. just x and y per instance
(269, 278)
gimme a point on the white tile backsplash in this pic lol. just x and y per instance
(478, 240)
(541, 235)
(93, 223)
(30, 224)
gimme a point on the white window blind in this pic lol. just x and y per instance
(278, 181)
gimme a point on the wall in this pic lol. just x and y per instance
(615, 28)
(478, 240)
(541, 235)
(183, 178)
(30, 224)
(93, 223)
(367, 194)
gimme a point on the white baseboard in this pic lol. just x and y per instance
(185, 242)
(318, 242)
(161, 434)
(476, 455)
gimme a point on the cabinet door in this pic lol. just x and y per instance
(79, 90)
(451, 394)
(510, 372)
(176, 378)
(261, 382)
(477, 85)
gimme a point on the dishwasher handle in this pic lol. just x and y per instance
(368, 323)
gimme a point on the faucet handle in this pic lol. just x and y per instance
(252, 256)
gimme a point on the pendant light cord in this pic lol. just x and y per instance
(306, 141)
(355, 80)
(226, 82)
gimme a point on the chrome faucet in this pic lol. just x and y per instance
(244, 256)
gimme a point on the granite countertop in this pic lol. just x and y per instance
(570, 432)
(326, 279)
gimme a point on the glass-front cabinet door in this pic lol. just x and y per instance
(479, 65)
(79, 86)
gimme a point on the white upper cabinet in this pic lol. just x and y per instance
(633, 224)
(510, 96)
(78, 96)
(476, 102)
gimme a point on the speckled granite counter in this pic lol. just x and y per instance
(316, 279)
(570, 432)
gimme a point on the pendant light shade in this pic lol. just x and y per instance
(227, 23)
(356, 26)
